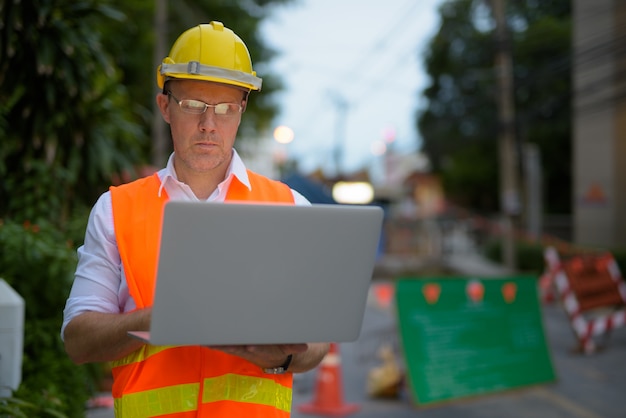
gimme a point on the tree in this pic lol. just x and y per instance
(459, 126)
(70, 119)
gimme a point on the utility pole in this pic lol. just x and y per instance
(159, 134)
(340, 130)
(509, 193)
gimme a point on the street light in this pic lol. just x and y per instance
(283, 134)
(353, 192)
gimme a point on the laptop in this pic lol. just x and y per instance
(241, 273)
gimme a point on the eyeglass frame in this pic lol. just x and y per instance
(206, 106)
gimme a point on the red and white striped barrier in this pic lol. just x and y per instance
(592, 313)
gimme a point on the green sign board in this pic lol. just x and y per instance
(463, 337)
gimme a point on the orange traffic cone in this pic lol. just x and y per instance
(328, 399)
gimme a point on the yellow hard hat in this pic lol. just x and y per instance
(210, 52)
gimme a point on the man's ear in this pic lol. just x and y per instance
(163, 103)
(244, 100)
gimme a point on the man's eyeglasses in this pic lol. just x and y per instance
(198, 107)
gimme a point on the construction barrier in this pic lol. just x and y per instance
(470, 336)
(593, 293)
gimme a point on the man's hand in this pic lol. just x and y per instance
(305, 356)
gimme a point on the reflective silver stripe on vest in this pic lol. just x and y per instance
(151, 403)
(248, 389)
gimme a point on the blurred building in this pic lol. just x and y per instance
(599, 122)
(408, 185)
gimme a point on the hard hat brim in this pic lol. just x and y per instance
(196, 71)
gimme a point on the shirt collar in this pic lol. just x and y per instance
(236, 169)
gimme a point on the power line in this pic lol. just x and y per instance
(399, 22)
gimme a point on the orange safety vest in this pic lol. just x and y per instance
(190, 381)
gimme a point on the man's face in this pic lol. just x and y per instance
(202, 142)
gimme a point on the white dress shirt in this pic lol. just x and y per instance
(99, 282)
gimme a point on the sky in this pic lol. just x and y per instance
(352, 71)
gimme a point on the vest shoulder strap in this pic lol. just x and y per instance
(137, 207)
(262, 189)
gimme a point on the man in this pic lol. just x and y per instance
(205, 85)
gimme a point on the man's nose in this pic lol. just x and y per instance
(208, 120)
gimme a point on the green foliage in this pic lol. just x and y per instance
(38, 261)
(71, 126)
(17, 408)
(543, 94)
(459, 127)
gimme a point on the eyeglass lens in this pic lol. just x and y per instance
(198, 107)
